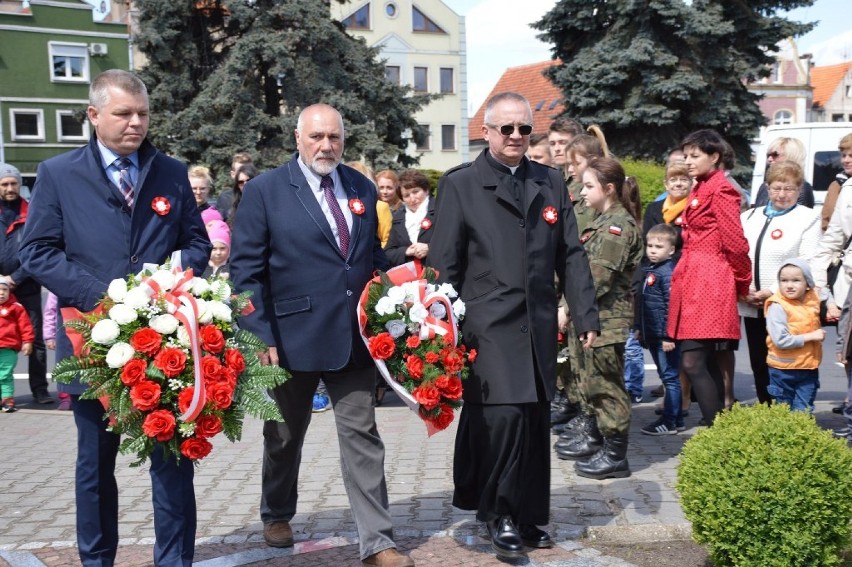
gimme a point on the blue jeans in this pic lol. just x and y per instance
(796, 388)
(668, 367)
(634, 367)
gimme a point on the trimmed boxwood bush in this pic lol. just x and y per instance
(766, 487)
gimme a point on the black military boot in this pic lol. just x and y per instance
(571, 426)
(575, 428)
(609, 462)
(586, 443)
(564, 413)
(558, 399)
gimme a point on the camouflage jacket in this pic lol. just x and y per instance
(585, 214)
(614, 246)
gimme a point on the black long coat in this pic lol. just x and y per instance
(399, 241)
(502, 261)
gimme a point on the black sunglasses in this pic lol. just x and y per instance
(508, 129)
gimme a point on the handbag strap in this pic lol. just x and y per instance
(845, 246)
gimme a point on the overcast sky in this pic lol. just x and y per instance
(499, 36)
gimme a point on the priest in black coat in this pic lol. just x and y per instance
(504, 225)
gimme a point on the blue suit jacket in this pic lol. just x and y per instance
(305, 293)
(80, 235)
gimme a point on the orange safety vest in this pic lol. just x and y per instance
(802, 317)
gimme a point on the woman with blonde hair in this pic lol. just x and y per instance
(786, 149)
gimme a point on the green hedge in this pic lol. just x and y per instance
(650, 176)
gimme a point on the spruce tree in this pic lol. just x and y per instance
(651, 71)
(233, 76)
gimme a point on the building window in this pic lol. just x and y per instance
(446, 80)
(69, 62)
(27, 124)
(783, 117)
(70, 128)
(421, 79)
(838, 118)
(448, 137)
(424, 24)
(359, 20)
(425, 143)
(848, 91)
(392, 74)
(391, 10)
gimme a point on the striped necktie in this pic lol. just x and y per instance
(327, 185)
(124, 183)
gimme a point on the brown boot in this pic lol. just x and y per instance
(278, 534)
(389, 557)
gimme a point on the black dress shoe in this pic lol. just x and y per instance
(505, 539)
(534, 537)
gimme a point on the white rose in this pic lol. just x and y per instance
(117, 290)
(165, 324)
(204, 314)
(417, 313)
(396, 328)
(448, 290)
(105, 332)
(122, 314)
(438, 310)
(219, 310)
(119, 354)
(396, 294)
(200, 286)
(385, 306)
(183, 336)
(458, 308)
(412, 291)
(164, 279)
(220, 288)
(137, 298)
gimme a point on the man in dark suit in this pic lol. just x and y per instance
(91, 220)
(504, 226)
(305, 244)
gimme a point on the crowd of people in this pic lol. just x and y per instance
(543, 235)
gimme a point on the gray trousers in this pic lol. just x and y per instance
(362, 452)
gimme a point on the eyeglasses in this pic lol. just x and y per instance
(787, 189)
(773, 155)
(509, 129)
(201, 188)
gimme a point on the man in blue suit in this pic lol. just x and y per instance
(305, 244)
(92, 220)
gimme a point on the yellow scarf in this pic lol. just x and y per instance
(672, 210)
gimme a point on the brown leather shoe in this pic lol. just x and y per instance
(389, 557)
(278, 534)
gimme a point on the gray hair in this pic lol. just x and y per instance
(118, 78)
(300, 123)
(498, 98)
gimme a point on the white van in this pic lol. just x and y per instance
(823, 157)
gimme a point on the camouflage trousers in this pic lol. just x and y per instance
(602, 384)
(571, 379)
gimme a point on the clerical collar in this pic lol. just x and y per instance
(500, 166)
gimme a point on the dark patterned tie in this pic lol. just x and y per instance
(123, 164)
(327, 185)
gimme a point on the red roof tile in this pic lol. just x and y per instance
(527, 80)
(825, 80)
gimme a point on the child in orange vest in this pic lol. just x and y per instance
(795, 337)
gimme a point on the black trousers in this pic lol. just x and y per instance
(755, 328)
(501, 465)
(38, 359)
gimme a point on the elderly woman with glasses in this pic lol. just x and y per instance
(786, 149)
(201, 182)
(781, 230)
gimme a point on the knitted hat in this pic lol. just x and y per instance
(210, 214)
(7, 170)
(218, 231)
(802, 265)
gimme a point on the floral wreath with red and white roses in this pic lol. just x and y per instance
(410, 326)
(163, 354)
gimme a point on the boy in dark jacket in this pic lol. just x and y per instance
(16, 334)
(652, 311)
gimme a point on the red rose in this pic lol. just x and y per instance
(443, 419)
(195, 448)
(185, 398)
(452, 388)
(228, 376)
(427, 396)
(452, 359)
(133, 371)
(220, 394)
(146, 340)
(171, 361)
(413, 341)
(431, 357)
(414, 364)
(208, 426)
(211, 368)
(212, 339)
(160, 424)
(381, 346)
(145, 395)
(234, 360)
(471, 356)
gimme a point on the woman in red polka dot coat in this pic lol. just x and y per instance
(713, 271)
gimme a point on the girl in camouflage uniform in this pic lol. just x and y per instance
(614, 247)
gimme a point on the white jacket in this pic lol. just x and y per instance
(794, 234)
(835, 236)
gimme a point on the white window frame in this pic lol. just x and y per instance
(414, 78)
(452, 80)
(64, 49)
(39, 112)
(398, 71)
(455, 138)
(789, 118)
(63, 138)
(427, 144)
